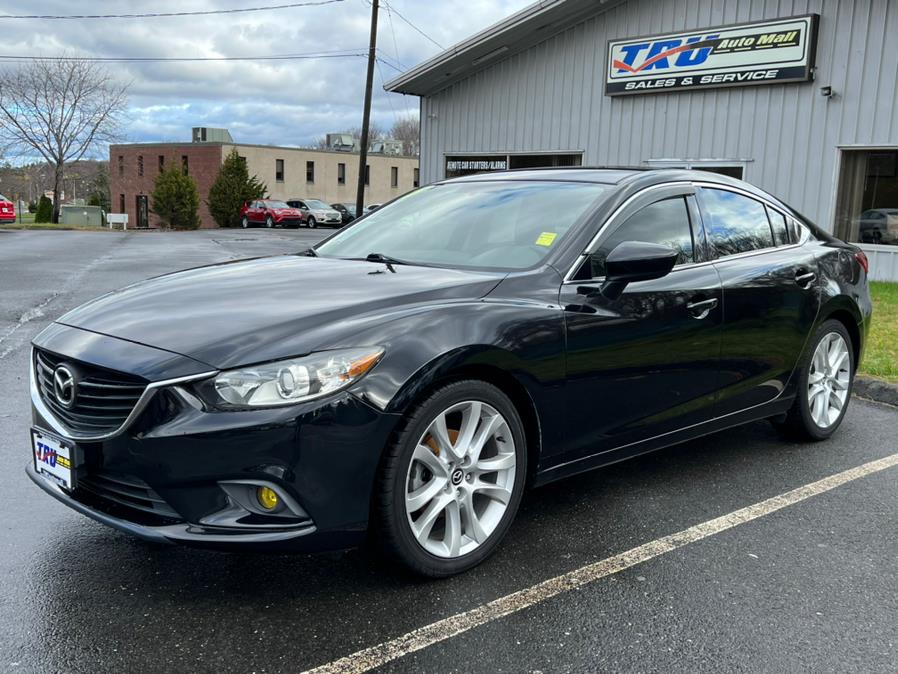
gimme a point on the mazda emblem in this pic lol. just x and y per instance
(64, 386)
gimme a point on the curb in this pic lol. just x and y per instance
(876, 389)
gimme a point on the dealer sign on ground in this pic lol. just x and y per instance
(765, 52)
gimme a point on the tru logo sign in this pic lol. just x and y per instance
(658, 55)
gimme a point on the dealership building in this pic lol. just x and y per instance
(288, 172)
(799, 98)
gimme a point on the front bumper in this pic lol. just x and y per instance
(322, 455)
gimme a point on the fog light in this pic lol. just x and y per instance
(267, 498)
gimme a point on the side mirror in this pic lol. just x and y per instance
(633, 261)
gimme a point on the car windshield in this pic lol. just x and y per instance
(314, 203)
(491, 224)
(276, 204)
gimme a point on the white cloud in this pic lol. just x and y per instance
(282, 102)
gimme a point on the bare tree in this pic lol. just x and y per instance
(62, 109)
(408, 130)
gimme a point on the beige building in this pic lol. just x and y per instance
(288, 172)
(328, 175)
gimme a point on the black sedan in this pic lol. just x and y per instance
(346, 211)
(434, 366)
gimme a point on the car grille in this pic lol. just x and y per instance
(128, 491)
(103, 399)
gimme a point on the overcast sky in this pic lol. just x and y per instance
(280, 102)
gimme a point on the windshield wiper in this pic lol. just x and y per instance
(308, 252)
(380, 257)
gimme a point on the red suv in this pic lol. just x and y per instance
(269, 213)
(7, 210)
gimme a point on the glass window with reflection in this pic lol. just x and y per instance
(780, 230)
(737, 224)
(867, 203)
(502, 224)
(665, 222)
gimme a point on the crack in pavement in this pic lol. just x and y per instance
(37, 311)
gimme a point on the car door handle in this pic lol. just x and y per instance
(805, 278)
(702, 308)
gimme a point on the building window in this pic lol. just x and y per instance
(394, 176)
(367, 174)
(867, 200)
(242, 160)
(310, 171)
(341, 173)
(121, 165)
(161, 163)
(140, 165)
(184, 166)
(279, 170)
(121, 203)
(417, 178)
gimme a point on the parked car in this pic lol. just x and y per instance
(269, 212)
(370, 207)
(346, 211)
(315, 212)
(878, 225)
(7, 210)
(413, 372)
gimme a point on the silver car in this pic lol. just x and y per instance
(315, 212)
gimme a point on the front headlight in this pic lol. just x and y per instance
(288, 382)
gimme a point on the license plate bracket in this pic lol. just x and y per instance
(54, 458)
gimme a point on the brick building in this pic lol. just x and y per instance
(288, 172)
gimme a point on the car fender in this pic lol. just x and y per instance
(517, 345)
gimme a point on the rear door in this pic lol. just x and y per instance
(645, 363)
(770, 295)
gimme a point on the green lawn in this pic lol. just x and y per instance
(881, 358)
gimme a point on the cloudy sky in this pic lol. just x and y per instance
(276, 102)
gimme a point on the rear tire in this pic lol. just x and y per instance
(244, 222)
(269, 223)
(825, 380)
(445, 500)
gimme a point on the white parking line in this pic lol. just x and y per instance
(441, 630)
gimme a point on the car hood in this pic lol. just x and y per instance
(263, 309)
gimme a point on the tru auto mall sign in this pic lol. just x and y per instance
(750, 53)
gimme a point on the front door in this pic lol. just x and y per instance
(143, 211)
(645, 363)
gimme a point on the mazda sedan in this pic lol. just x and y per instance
(434, 367)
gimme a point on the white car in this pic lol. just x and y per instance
(878, 225)
(315, 212)
(370, 207)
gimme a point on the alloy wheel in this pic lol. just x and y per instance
(829, 380)
(460, 479)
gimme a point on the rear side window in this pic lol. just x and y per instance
(738, 224)
(778, 225)
(665, 222)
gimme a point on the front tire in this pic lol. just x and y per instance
(452, 482)
(244, 222)
(311, 223)
(824, 385)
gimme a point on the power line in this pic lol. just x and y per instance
(393, 31)
(399, 14)
(157, 15)
(157, 59)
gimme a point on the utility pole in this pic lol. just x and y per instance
(366, 115)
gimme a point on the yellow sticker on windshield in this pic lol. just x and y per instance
(546, 239)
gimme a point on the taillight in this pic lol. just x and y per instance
(862, 260)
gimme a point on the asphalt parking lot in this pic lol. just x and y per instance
(804, 584)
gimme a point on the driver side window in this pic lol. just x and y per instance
(665, 222)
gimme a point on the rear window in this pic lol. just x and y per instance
(738, 224)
